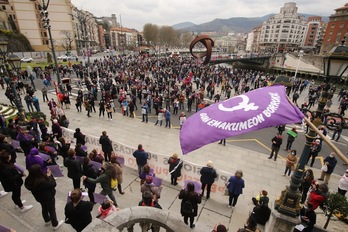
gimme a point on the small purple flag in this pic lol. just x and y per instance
(96, 165)
(157, 181)
(19, 168)
(255, 110)
(45, 157)
(56, 172)
(84, 148)
(196, 184)
(51, 149)
(120, 160)
(99, 198)
(15, 144)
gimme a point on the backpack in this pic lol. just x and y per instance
(187, 208)
(113, 183)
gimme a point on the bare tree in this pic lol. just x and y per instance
(151, 33)
(66, 42)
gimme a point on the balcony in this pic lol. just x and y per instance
(130, 219)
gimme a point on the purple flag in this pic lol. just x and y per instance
(56, 172)
(99, 198)
(19, 168)
(45, 157)
(196, 184)
(15, 144)
(157, 181)
(255, 110)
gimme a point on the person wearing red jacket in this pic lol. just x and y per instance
(318, 195)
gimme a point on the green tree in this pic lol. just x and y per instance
(336, 203)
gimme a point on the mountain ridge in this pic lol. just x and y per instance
(234, 24)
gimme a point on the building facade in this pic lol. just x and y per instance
(337, 29)
(283, 32)
(315, 33)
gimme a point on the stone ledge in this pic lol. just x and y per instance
(128, 217)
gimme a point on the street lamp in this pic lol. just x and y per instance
(13, 61)
(300, 55)
(44, 14)
(334, 66)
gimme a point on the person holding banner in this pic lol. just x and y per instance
(106, 146)
(208, 175)
(292, 134)
(42, 186)
(175, 166)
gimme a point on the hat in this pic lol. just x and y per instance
(55, 121)
(210, 164)
(347, 171)
(317, 141)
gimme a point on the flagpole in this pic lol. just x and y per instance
(289, 201)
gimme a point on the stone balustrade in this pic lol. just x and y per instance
(127, 219)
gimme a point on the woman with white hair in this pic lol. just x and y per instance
(208, 175)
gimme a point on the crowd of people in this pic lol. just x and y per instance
(161, 88)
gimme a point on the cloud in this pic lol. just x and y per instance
(135, 13)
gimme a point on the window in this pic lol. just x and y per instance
(332, 25)
(3, 7)
(342, 25)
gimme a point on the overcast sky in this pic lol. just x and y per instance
(136, 13)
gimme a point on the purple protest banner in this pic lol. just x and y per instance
(44, 156)
(15, 144)
(196, 184)
(19, 168)
(157, 181)
(99, 198)
(56, 172)
(255, 110)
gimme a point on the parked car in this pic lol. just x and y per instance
(27, 59)
(62, 57)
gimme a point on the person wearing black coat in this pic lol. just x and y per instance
(74, 168)
(79, 151)
(11, 180)
(189, 195)
(308, 217)
(208, 175)
(78, 212)
(89, 171)
(4, 145)
(106, 146)
(80, 138)
(175, 166)
(43, 189)
(261, 213)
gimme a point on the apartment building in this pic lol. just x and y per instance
(337, 29)
(283, 32)
(315, 33)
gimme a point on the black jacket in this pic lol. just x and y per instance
(106, 143)
(9, 149)
(80, 215)
(80, 138)
(208, 175)
(195, 199)
(10, 178)
(44, 190)
(74, 168)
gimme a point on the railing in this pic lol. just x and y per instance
(126, 220)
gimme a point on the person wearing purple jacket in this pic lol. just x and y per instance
(34, 158)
